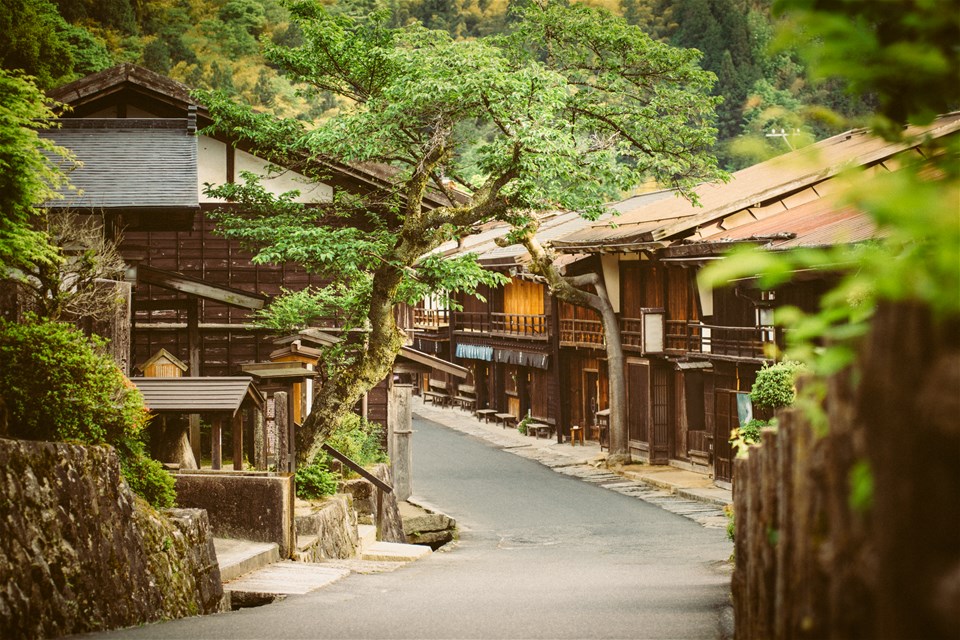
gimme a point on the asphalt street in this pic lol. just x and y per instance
(541, 555)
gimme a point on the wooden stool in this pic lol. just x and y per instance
(576, 433)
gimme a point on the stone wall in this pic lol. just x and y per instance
(328, 531)
(243, 504)
(79, 552)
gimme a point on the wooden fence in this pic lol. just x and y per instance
(814, 562)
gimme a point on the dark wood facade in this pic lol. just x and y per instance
(175, 236)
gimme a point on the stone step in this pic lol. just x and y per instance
(394, 552)
(239, 557)
(367, 536)
(305, 542)
(281, 579)
(365, 567)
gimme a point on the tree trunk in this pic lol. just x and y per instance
(169, 442)
(568, 289)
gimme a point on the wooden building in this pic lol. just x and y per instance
(683, 401)
(145, 163)
(690, 353)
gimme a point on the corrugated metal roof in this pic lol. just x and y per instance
(188, 395)
(816, 224)
(553, 225)
(556, 225)
(758, 186)
(143, 164)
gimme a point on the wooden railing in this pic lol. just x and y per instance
(381, 486)
(677, 332)
(581, 333)
(502, 324)
(431, 318)
(737, 342)
(644, 334)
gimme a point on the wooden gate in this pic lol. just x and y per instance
(662, 414)
(638, 406)
(726, 421)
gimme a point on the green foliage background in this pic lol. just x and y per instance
(216, 44)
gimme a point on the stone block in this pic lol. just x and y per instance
(332, 526)
(256, 506)
(364, 497)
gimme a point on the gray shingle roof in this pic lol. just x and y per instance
(129, 163)
(196, 394)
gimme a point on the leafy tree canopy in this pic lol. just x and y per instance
(572, 104)
(29, 172)
(903, 53)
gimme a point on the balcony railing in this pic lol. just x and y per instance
(581, 333)
(431, 318)
(736, 342)
(514, 325)
(645, 333)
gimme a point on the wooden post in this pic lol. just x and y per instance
(193, 364)
(216, 455)
(259, 440)
(238, 440)
(379, 513)
(281, 418)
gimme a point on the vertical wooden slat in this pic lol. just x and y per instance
(216, 455)
(237, 430)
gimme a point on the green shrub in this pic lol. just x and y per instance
(355, 438)
(775, 386)
(316, 480)
(59, 385)
(748, 434)
(145, 476)
(522, 425)
(359, 440)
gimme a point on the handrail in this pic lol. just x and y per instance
(377, 482)
(382, 487)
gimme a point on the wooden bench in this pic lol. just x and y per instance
(537, 428)
(507, 419)
(437, 393)
(466, 397)
(486, 414)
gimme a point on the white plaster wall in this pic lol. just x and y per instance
(611, 277)
(310, 192)
(211, 164)
(212, 168)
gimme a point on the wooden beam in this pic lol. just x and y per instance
(161, 305)
(196, 287)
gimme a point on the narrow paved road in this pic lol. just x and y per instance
(541, 555)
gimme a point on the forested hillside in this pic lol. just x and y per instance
(214, 44)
